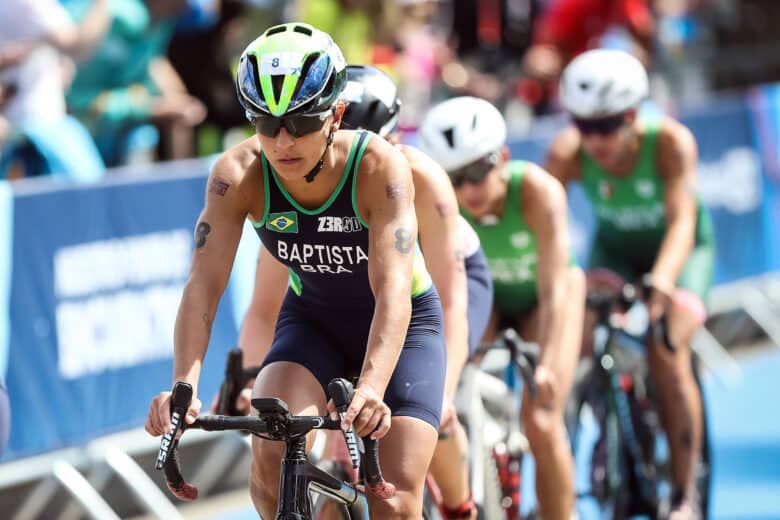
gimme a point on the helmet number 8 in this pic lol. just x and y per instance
(281, 63)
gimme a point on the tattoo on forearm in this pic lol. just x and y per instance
(396, 191)
(207, 322)
(201, 231)
(403, 240)
(445, 210)
(687, 440)
(460, 261)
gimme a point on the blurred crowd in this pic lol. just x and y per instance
(91, 84)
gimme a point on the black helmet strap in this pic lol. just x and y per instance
(317, 167)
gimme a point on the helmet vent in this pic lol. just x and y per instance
(255, 72)
(449, 135)
(474, 121)
(584, 85)
(276, 83)
(604, 91)
(276, 30)
(303, 30)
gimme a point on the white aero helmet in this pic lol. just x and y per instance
(602, 82)
(461, 130)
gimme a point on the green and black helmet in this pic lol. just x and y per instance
(291, 68)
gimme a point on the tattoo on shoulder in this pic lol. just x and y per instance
(445, 210)
(396, 191)
(201, 231)
(218, 186)
(403, 240)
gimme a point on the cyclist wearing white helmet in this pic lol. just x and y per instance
(640, 177)
(519, 212)
(337, 208)
(452, 255)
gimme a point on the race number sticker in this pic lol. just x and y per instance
(280, 63)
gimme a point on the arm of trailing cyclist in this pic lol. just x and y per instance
(545, 203)
(439, 233)
(562, 156)
(217, 234)
(257, 328)
(677, 157)
(387, 191)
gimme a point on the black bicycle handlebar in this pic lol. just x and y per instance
(274, 421)
(604, 301)
(236, 378)
(524, 355)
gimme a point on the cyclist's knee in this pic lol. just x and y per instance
(403, 506)
(266, 462)
(543, 428)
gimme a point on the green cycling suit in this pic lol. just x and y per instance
(630, 216)
(510, 248)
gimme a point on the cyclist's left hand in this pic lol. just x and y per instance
(367, 413)
(546, 387)
(660, 299)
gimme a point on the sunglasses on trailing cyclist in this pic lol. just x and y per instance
(600, 126)
(296, 125)
(474, 172)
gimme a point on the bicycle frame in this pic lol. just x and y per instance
(298, 475)
(618, 403)
(486, 392)
(609, 341)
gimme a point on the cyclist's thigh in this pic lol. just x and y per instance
(299, 341)
(480, 294)
(417, 384)
(688, 310)
(696, 276)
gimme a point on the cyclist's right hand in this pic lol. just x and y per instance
(158, 420)
(367, 413)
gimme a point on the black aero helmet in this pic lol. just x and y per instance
(291, 68)
(372, 100)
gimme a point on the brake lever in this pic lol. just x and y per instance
(525, 356)
(181, 397)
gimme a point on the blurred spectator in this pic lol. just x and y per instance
(745, 49)
(128, 85)
(567, 28)
(37, 40)
(489, 38)
(206, 41)
(361, 28)
(421, 46)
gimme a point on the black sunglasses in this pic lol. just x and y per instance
(601, 126)
(474, 172)
(296, 125)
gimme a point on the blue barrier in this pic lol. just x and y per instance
(91, 276)
(97, 276)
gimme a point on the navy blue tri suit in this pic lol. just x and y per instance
(479, 282)
(326, 314)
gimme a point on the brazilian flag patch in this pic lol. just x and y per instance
(286, 222)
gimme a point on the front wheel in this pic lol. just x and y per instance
(491, 505)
